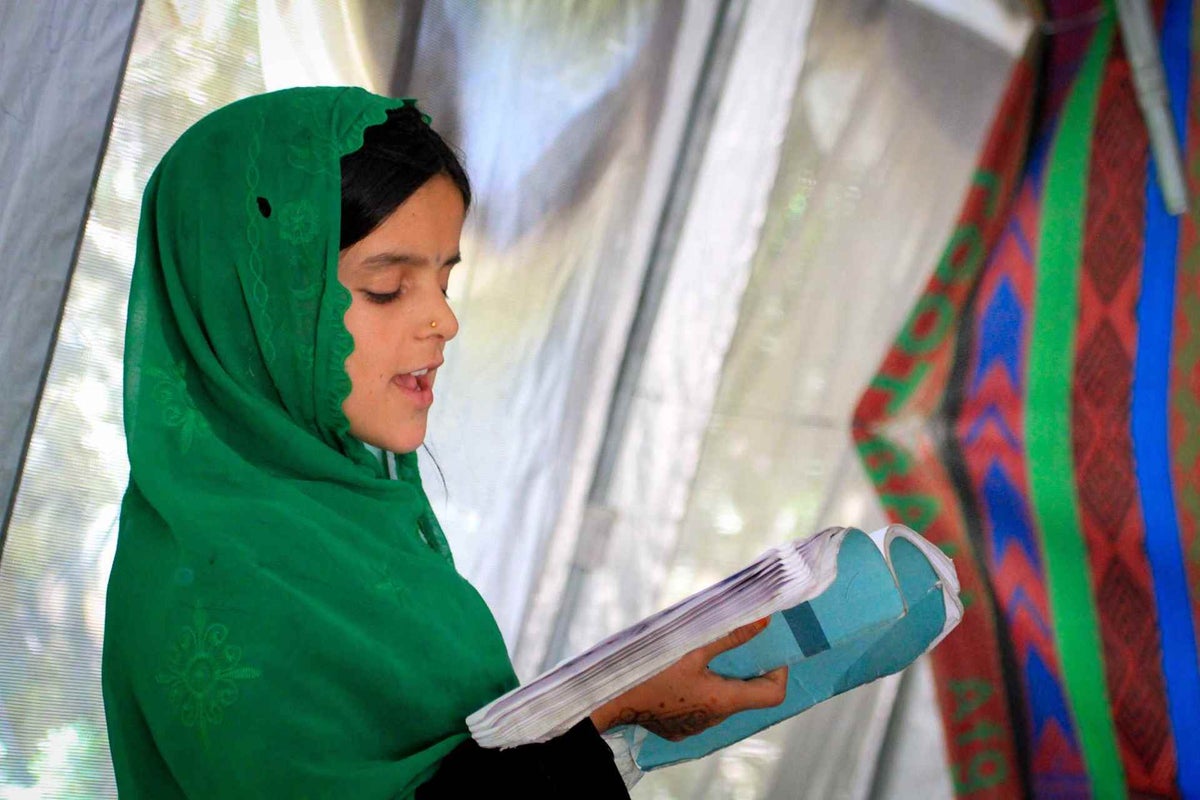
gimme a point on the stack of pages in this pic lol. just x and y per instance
(846, 608)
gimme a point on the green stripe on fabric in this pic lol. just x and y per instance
(1048, 420)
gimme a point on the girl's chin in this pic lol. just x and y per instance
(406, 444)
(394, 441)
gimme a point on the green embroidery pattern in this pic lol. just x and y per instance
(178, 408)
(259, 295)
(298, 222)
(388, 583)
(317, 156)
(202, 673)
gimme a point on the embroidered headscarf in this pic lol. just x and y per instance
(283, 619)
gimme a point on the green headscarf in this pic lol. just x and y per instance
(283, 619)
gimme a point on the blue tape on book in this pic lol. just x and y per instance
(805, 626)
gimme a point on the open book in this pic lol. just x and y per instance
(846, 608)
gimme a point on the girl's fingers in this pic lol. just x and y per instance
(765, 691)
(768, 691)
(735, 638)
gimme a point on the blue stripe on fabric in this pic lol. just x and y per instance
(1149, 427)
(1000, 335)
(1008, 515)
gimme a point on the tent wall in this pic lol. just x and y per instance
(60, 71)
(808, 235)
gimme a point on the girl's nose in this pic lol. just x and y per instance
(442, 320)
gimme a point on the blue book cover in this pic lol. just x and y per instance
(875, 619)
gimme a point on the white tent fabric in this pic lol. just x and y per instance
(676, 388)
(337, 42)
(697, 226)
(60, 70)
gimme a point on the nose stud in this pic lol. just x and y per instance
(433, 323)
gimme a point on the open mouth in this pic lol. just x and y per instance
(418, 385)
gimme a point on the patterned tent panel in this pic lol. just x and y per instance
(1038, 417)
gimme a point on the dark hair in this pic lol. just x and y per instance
(397, 158)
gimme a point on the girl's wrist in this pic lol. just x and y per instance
(602, 717)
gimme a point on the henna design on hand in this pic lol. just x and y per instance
(674, 726)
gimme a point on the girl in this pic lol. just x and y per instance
(284, 618)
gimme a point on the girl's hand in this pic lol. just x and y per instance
(687, 697)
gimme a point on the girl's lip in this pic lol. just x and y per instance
(428, 367)
(422, 395)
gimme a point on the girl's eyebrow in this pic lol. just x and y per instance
(380, 260)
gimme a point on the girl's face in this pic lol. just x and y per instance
(399, 318)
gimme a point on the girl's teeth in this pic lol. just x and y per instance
(419, 373)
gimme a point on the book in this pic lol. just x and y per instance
(845, 607)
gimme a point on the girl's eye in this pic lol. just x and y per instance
(387, 297)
